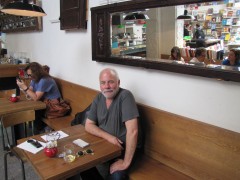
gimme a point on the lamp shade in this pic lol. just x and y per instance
(185, 16)
(136, 16)
(23, 9)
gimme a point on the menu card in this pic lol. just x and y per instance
(30, 148)
(61, 133)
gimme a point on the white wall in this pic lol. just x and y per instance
(69, 56)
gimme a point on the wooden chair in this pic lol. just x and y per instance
(10, 121)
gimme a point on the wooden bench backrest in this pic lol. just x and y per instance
(78, 96)
(197, 149)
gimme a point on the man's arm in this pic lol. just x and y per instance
(131, 144)
(92, 128)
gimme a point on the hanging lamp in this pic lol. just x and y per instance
(136, 16)
(185, 16)
(23, 9)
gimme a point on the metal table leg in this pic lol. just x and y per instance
(2, 134)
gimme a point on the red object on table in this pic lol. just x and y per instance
(51, 152)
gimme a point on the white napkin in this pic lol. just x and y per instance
(62, 135)
(29, 147)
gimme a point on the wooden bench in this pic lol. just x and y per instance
(176, 147)
(196, 149)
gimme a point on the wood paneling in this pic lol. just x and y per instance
(78, 96)
(197, 149)
(9, 70)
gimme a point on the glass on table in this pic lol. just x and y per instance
(69, 153)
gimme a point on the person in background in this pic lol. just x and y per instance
(42, 86)
(199, 34)
(185, 30)
(233, 58)
(200, 56)
(175, 54)
(114, 116)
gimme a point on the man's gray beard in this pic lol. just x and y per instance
(114, 94)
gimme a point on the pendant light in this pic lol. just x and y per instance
(185, 16)
(23, 9)
(136, 16)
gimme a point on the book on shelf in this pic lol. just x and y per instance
(222, 36)
(209, 32)
(223, 12)
(226, 29)
(215, 11)
(214, 19)
(209, 25)
(238, 13)
(224, 22)
(213, 52)
(201, 16)
(234, 30)
(213, 26)
(205, 24)
(234, 21)
(194, 12)
(229, 22)
(230, 13)
(218, 19)
(210, 11)
(227, 37)
(208, 18)
(219, 32)
(230, 3)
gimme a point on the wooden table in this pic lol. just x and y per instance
(57, 168)
(7, 107)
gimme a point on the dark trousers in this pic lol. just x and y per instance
(39, 125)
(93, 173)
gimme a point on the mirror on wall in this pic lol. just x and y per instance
(143, 34)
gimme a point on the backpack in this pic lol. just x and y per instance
(81, 117)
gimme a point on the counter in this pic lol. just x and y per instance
(233, 45)
(134, 50)
(10, 70)
(8, 74)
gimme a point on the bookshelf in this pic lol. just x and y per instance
(221, 22)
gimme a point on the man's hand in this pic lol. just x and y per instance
(119, 165)
(114, 140)
(91, 127)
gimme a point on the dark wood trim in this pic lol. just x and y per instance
(73, 14)
(101, 50)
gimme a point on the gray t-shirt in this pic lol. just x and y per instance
(122, 109)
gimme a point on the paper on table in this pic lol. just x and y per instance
(62, 135)
(29, 147)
